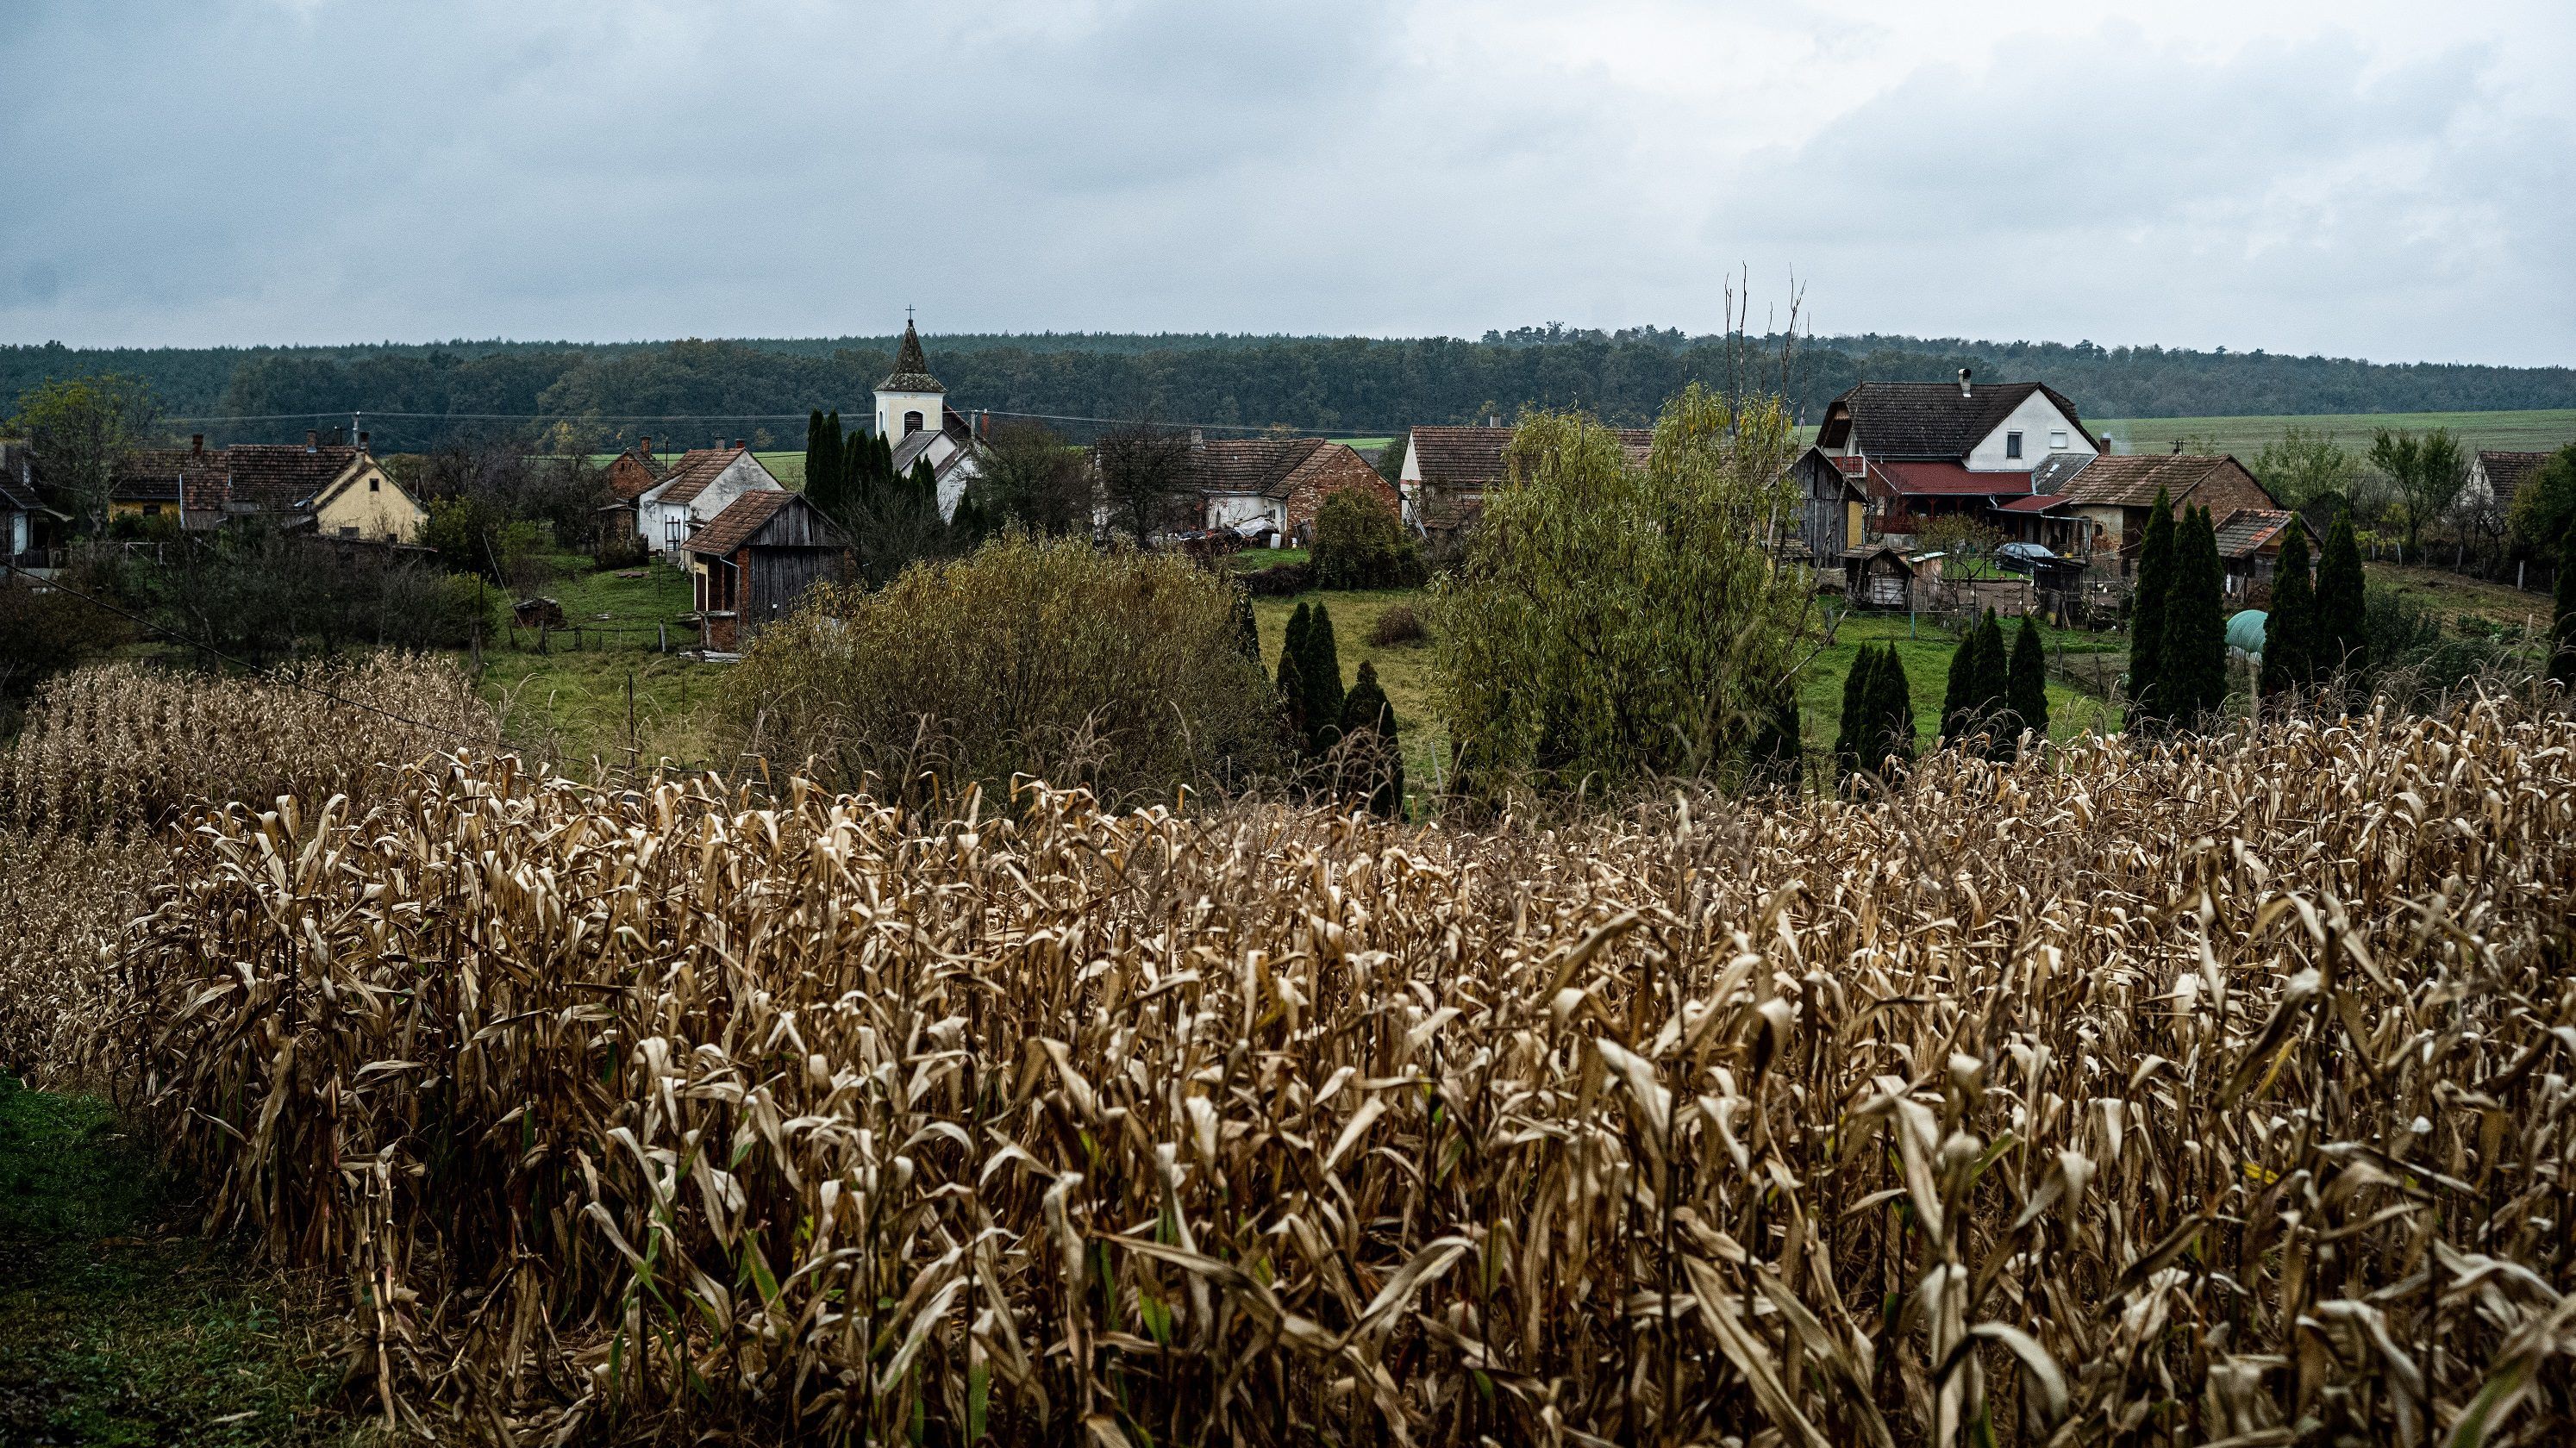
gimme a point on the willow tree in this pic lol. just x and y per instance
(1612, 621)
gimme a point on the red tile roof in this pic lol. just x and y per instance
(1946, 480)
(2039, 504)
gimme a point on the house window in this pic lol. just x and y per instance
(348, 532)
(2057, 442)
(911, 423)
(2012, 444)
(375, 485)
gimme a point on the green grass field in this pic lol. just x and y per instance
(570, 697)
(2245, 436)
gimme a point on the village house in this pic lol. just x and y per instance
(1919, 450)
(755, 561)
(1269, 488)
(330, 489)
(2496, 478)
(1448, 470)
(914, 417)
(704, 482)
(28, 527)
(2109, 499)
(630, 475)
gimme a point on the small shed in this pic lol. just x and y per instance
(1832, 506)
(1881, 577)
(755, 561)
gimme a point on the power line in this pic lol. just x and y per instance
(1347, 430)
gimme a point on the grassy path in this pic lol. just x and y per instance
(118, 1323)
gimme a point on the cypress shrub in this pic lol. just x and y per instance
(1373, 751)
(1292, 696)
(1860, 695)
(2027, 688)
(2342, 638)
(1776, 759)
(2289, 630)
(1894, 713)
(1993, 683)
(1247, 628)
(2192, 673)
(814, 455)
(1293, 644)
(1321, 667)
(2147, 612)
(1958, 695)
(2562, 613)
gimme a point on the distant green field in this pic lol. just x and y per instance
(2246, 436)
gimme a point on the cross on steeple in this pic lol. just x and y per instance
(907, 316)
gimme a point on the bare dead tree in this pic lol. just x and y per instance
(1144, 476)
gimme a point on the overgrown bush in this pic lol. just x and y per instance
(1401, 623)
(1361, 543)
(621, 550)
(1280, 580)
(1120, 671)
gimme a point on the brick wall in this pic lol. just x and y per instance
(1333, 466)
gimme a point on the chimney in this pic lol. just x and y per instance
(1198, 437)
(312, 439)
(984, 423)
(362, 440)
(644, 445)
(741, 442)
(1963, 383)
(1492, 420)
(197, 443)
(2177, 452)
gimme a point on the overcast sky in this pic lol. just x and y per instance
(2354, 177)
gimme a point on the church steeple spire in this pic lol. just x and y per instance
(911, 369)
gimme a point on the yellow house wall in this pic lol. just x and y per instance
(384, 511)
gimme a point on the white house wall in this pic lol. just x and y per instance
(891, 406)
(2040, 424)
(1232, 510)
(952, 488)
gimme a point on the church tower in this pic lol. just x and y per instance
(910, 400)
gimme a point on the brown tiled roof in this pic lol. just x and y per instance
(744, 518)
(1929, 419)
(1260, 465)
(696, 468)
(2246, 530)
(1472, 457)
(151, 474)
(280, 478)
(2132, 482)
(741, 518)
(2508, 471)
(633, 473)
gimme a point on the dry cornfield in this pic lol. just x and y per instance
(112, 756)
(2197, 1093)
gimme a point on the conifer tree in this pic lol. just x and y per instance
(1300, 619)
(1321, 667)
(1993, 687)
(1247, 628)
(2562, 613)
(1894, 727)
(825, 482)
(1292, 696)
(1958, 696)
(922, 485)
(1860, 696)
(2027, 689)
(2289, 629)
(1776, 758)
(2147, 613)
(1376, 754)
(2341, 643)
(2192, 672)
(813, 447)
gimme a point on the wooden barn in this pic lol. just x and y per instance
(753, 563)
(1832, 509)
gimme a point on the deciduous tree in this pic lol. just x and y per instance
(2428, 470)
(82, 429)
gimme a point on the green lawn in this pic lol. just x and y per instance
(119, 1322)
(1926, 655)
(1251, 559)
(2537, 431)
(1403, 670)
(570, 699)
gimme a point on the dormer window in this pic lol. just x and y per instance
(2012, 444)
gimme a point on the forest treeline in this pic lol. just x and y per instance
(1333, 385)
